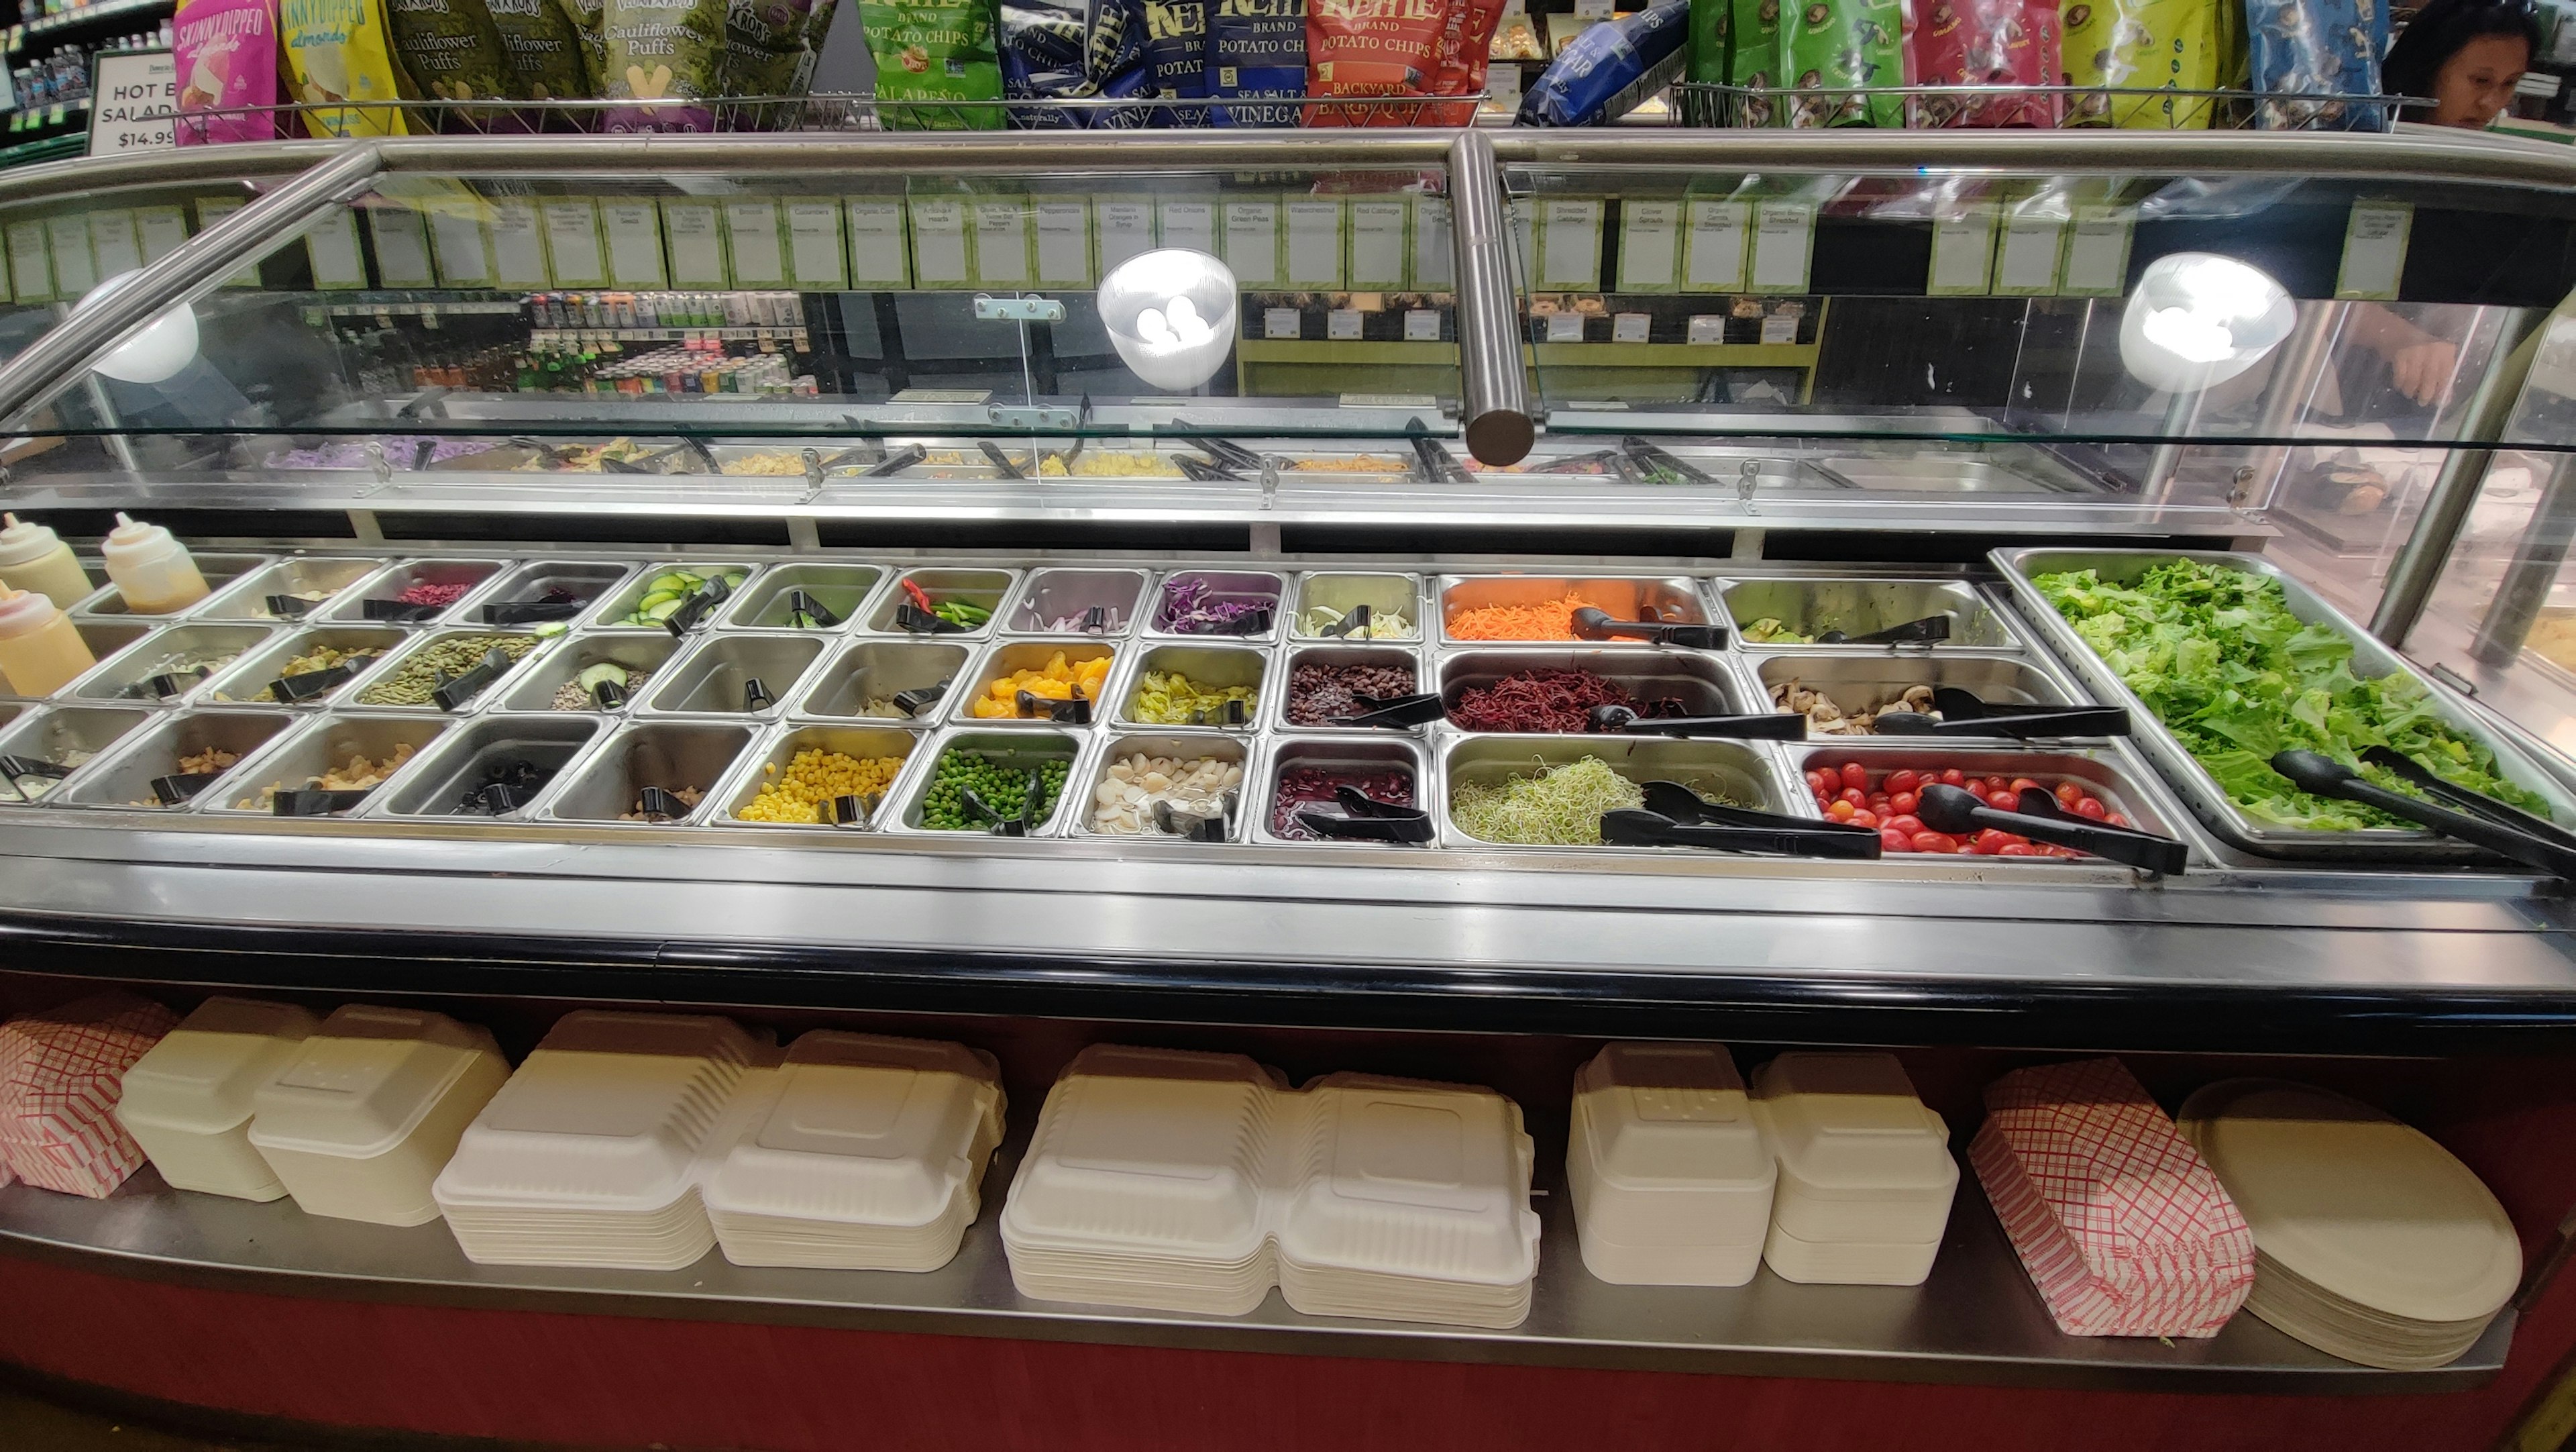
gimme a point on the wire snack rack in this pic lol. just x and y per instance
(1718, 107)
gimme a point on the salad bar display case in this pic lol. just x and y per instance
(1479, 594)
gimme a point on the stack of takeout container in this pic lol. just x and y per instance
(860, 1153)
(2120, 1223)
(1195, 1182)
(2372, 1243)
(1866, 1176)
(1671, 1175)
(61, 1073)
(189, 1101)
(359, 1121)
(590, 1155)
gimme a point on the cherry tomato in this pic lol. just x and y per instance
(2022, 783)
(2116, 820)
(1877, 800)
(1953, 777)
(1892, 840)
(1907, 823)
(1864, 818)
(1842, 811)
(2016, 849)
(2092, 807)
(1816, 781)
(1996, 784)
(2003, 801)
(2068, 794)
(1855, 796)
(1903, 802)
(1902, 781)
(1855, 775)
(1935, 842)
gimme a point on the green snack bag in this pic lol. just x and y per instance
(1830, 43)
(928, 51)
(450, 49)
(585, 17)
(1711, 21)
(666, 58)
(543, 48)
(770, 46)
(1753, 54)
(2149, 45)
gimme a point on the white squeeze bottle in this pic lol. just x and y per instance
(40, 652)
(33, 557)
(152, 570)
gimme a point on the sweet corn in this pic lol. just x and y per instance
(817, 776)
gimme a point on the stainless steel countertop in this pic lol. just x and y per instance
(1976, 1320)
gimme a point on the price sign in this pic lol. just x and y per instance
(137, 100)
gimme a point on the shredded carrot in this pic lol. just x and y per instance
(1553, 620)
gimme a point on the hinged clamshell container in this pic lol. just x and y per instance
(359, 1123)
(1670, 1173)
(188, 1102)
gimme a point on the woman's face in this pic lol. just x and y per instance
(2476, 84)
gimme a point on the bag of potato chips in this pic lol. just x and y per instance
(931, 51)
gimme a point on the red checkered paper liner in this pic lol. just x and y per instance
(2123, 1227)
(61, 1074)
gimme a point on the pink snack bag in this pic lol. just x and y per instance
(227, 59)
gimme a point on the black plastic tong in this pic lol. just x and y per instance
(1957, 811)
(1393, 713)
(454, 692)
(2483, 822)
(1769, 726)
(1074, 710)
(1366, 819)
(1593, 623)
(1929, 630)
(1676, 816)
(1964, 713)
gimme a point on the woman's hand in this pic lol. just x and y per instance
(2423, 370)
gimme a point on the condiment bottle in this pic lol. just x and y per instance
(152, 570)
(40, 652)
(33, 557)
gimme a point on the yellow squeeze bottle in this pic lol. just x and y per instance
(40, 652)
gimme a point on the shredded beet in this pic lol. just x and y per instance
(1546, 700)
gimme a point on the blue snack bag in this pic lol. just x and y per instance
(1068, 49)
(1610, 69)
(1176, 33)
(1257, 50)
(2317, 48)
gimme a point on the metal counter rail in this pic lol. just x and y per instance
(1976, 1320)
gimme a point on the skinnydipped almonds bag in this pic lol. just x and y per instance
(336, 50)
(1825, 44)
(1753, 58)
(226, 53)
(2326, 48)
(933, 51)
(2143, 45)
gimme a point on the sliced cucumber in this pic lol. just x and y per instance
(672, 582)
(658, 596)
(605, 673)
(661, 612)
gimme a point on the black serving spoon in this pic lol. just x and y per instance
(1393, 713)
(2324, 776)
(1957, 811)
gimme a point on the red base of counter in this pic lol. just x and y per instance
(613, 1381)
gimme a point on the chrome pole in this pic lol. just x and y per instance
(2427, 549)
(1494, 404)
